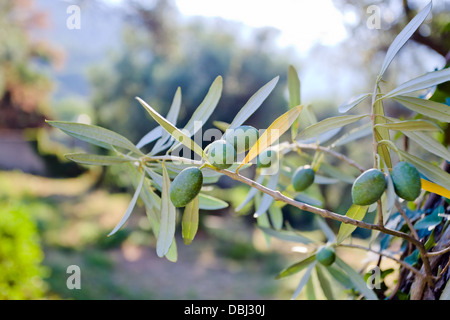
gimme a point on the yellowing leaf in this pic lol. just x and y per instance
(272, 134)
(435, 188)
(355, 212)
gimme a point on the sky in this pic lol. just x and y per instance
(302, 23)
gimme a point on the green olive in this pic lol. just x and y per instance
(267, 158)
(186, 186)
(368, 187)
(242, 138)
(221, 154)
(406, 180)
(303, 177)
(326, 255)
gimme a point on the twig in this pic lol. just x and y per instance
(407, 220)
(438, 253)
(387, 255)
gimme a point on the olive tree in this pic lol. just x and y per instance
(398, 186)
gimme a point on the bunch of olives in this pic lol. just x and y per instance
(370, 185)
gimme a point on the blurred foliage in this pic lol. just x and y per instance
(21, 255)
(25, 84)
(158, 56)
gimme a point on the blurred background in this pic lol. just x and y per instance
(85, 61)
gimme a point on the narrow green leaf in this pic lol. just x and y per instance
(286, 235)
(410, 125)
(276, 216)
(321, 138)
(151, 136)
(95, 135)
(324, 283)
(294, 95)
(172, 117)
(402, 37)
(303, 197)
(130, 206)
(328, 124)
(353, 135)
(430, 221)
(95, 159)
(293, 87)
(207, 202)
(296, 267)
(221, 125)
(355, 212)
(266, 200)
(382, 133)
(189, 223)
(168, 214)
(206, 107)
(432, 109)
(428, 143)
(340, 277)
(357, 280)
(253, 104)
(309, 289)
(427, 80)
(304, 280)
(176, 133)
(353, 102)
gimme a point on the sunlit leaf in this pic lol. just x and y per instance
(189, 223)
(170, 128)
(95, 135)
(294, 95)
(353, 102)
(321, 138)
(130, 206)
(422, 82)
(403, 36)
(253, 104)
(355, 212)
(382, 133)
(168, 213)
(296, 267)
(95, 159)
(272, 134)
(435, 188)
(328, 124)
(432, 109)
(151, 136)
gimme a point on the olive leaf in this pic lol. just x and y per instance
(294, 95)
(176, 133)
(428, 143)
(151, 136)
(130, 206)
(403, 36)
(95, 159)
(353, 102)
(272, 134)
(296, 267)
(304, 280)
(409, 125)
(253, 103)
(266, 199)
(251, 193)
(207, 202)
(354, 212)
(276, 216)
(168, 214)
(357, 280)
(422, 82)
(189, 223)
(172, 116)
(95, 135)
(382, 133)
(287, 235)
(432, 109)
(328, 124)
(352, 135)
(324, 283)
